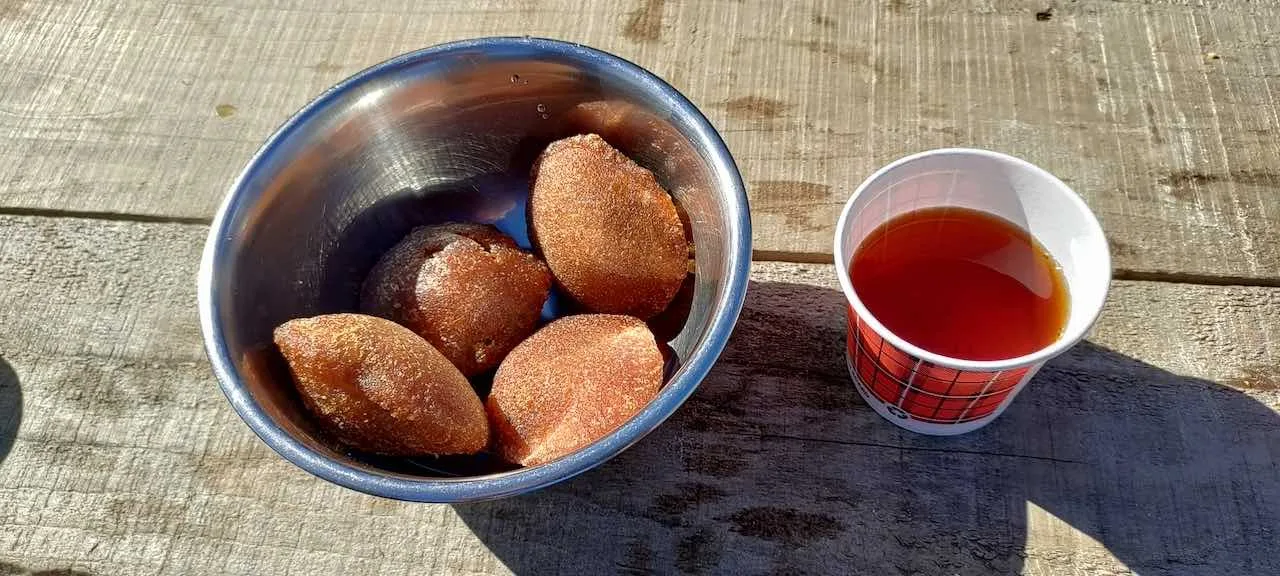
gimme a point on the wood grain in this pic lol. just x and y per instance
(1162, 114)
(1153, 448)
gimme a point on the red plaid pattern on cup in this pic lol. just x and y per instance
(929, 393)
(913, 388)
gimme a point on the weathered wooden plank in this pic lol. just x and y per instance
(1162, 114)
(1154, 447)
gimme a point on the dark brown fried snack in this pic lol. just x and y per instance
(571, 383)
(378, 387)
(466, 288)
(609, 232)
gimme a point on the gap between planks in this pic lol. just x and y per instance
(1117, 274)
(756, 255)
(108, 216)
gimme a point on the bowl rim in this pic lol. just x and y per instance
(446, 490)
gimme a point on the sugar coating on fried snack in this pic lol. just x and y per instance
(609, 232)
(467, 288)
(378, 387)
(570, 384)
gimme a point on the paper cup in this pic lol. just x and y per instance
(927, 392)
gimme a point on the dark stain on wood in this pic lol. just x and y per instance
(1257, 378)
(785, 525)
(9, 569)
(95, 389)
(795, 201)
(1152, 127)
(836, 53)
(950, 133)
(697, 552)
(1185, 178)
(802, 218)
(897, 6)
(70, 455)
(755, 108)
(1183, 183)
(1119, 248)
(824, 21)
(688, 496)
(644, 24)
(1045, 15)
(670, 508)
(823, 47)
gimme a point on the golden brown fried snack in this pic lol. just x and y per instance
(466, 288)
(609, 232)
(380, 388)
(570, 384)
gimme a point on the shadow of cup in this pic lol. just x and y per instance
(776, 466)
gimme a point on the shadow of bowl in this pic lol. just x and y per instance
(10, 408)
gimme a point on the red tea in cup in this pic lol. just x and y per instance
(961, 283)
(965, 271)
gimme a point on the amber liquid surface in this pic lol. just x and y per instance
(961, 283)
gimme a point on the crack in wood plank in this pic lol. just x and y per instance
(756, 255)
(108, 216)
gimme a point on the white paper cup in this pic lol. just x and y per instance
(927, 392)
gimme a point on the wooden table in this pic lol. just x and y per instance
(1152, 448)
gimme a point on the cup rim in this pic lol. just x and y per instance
(447, 490)
(1064, 341)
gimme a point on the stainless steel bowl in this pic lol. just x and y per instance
(449, 133)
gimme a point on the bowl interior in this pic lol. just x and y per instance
(436, 136)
